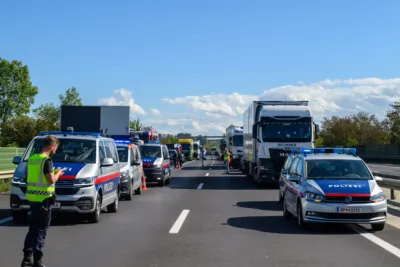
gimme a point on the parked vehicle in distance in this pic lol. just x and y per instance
(156, 163)
(131, 168)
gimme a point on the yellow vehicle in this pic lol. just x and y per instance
(187, 147)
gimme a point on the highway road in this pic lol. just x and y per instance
(204, 218)
(388, 169)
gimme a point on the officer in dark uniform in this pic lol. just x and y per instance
(41, 196)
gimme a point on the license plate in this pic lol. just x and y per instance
(348, 210)
(57, 205)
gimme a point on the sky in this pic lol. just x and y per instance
(195, 66)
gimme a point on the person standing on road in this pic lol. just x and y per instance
(227, 157)
(41, 196)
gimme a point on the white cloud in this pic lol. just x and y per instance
(212, 114)
(123, 97)
(155, 111)
(326, 98)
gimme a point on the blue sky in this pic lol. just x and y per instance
(238, 50)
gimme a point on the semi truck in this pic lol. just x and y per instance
(187, 147)
(196, 149)
(270, 130)
(234, 142)
(109, 120)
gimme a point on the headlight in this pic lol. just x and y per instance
(84, 181)
(157, 166)
(378, 197)
(314, 197)
(125, 175)
(18, 180)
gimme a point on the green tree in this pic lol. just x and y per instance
(19, 131)
(17, 93)
(136, 125)
(71, 98)
(393, 123)
(48, 117)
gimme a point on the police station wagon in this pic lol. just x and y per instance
(91, 179)
(326, 185)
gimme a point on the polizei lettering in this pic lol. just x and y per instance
(345, 185)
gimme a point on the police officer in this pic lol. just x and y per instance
(41, 196)
(227, 157)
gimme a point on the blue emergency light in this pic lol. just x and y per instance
(71, 133)
(305, 151)
(154, 142)
(122, 142)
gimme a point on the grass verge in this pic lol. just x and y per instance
(5, 185)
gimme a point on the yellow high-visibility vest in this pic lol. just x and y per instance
(38, 187)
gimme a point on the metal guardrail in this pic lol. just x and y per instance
(6, 174)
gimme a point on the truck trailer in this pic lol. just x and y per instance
(110, 120)
(234, 142)
(187, 147)
(196, 149)
(270, 130)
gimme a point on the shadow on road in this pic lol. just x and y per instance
(213, 183)
(260, 205)
(57, 220)
(277, 224)
(5, 213)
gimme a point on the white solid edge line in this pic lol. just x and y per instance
(207, 174)
(179, 222)
(200, 186)
(376, 240)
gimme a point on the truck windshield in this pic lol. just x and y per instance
(185, 146)
(122, 153)
(69, 150)
(337, 169)
(237, 140)
(150, 151)
(286, 132)
(196, 146)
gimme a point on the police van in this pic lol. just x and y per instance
(156, 163)
(91, 179)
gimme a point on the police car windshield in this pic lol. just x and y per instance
(122, 153)
(69, 150)
(150, 151)
(337, 169)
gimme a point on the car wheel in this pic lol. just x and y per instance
(300, 220)
(280, 197)
(113, 207)
(286, 213)
(138, 191)
(94, 217)
(130, 192)
(378, 226)
(162, 182)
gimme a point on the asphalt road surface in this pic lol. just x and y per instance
(204, 218)
(393, 170)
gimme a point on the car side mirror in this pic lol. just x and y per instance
(135, 163)
(107, 162)
(294, 178)
(16, 160)
(378, 179)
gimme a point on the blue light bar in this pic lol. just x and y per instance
(71, 133)
(305, 151)
(154, 142)
(122, 142)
